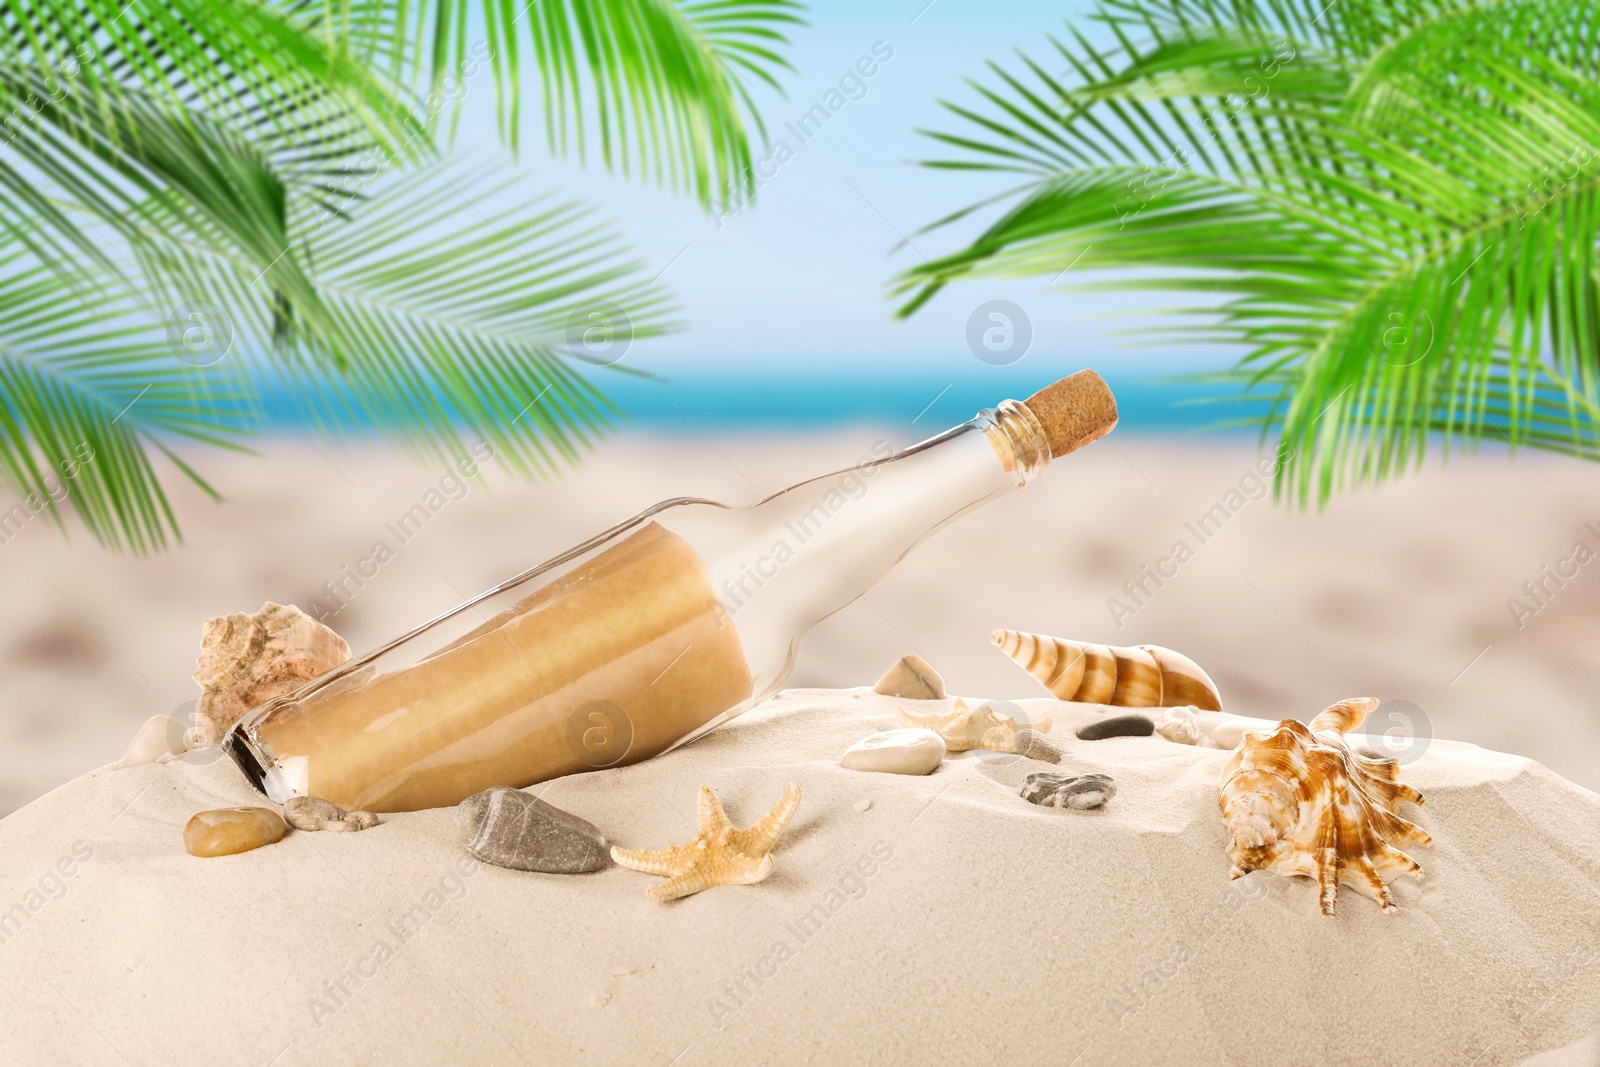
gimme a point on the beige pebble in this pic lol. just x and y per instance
(1227, 735)
(863, 805)
(912, 751)
(226, 831)
(911, 678)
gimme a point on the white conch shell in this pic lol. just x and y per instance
(246, 660)
(1145, 676)
(1299, 802)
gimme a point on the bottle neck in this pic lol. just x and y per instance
(780, 566)
(1017, 439)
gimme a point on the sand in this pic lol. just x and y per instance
(1401, 592)
(949, 922)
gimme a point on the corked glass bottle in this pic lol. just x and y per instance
(644, 637)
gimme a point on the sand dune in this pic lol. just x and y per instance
(950, 922)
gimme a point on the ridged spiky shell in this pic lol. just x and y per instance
(1142, 676)
(1299, 802)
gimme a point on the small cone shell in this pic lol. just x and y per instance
(1144, 676)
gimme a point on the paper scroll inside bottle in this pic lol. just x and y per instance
(609, 664)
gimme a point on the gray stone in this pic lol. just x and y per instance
(510, 828)
(1062, 791)
(1118, 726)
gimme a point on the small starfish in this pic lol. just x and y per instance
(966, 728)
(720, 854)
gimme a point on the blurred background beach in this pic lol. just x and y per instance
(790, 365)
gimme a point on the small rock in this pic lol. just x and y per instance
(905, 751)
(510, 828)
(1118, 726)
(863, 805)
(161, 735)
(227, 831)
(1228, 734)
(911, 678)
(1037, 746)
(1060, 791)
(314, 813)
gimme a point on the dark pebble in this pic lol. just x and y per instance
(1118, 726)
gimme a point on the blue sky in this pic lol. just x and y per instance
(796, 282)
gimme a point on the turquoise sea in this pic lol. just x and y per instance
(729, 399)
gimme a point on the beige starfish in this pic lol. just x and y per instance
(720, 854)
(967, 728)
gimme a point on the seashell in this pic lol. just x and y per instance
(1145, 676)
(314, 813)
(246, 660)
(161, 735)
(1299, 802)
(966, 728)
(228, 831)
(1080, 793)
(510, 828)
(911, 678)
(907, 751)
(1118, 726)
(720, 854)
(1180, 725)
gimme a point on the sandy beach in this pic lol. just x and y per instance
(1400, 593)
(937, 920)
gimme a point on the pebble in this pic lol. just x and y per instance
(1228, 734)
(1118, 726)
(161, 735)
(1061, 791)
(510, 828)
(227, 831)
(904, 751)
(911, 678)
(314, 813)
(863, 805)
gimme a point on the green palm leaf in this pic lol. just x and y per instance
(656, 88)
(1394, 212)
(252, 168)
(83, 405)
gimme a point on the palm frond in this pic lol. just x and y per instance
(657, 89)
(1402, 233)
(83, 406)
(449, 313)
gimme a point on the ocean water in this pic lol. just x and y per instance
(718, 399)
(1147, 403)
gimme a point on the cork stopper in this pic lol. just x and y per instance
(1074, 411)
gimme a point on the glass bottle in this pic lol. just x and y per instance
(644, 637)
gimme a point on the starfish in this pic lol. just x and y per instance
(720, 854)
(966, 728)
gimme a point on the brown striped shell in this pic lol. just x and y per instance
(1144, 676)
(1300, 803)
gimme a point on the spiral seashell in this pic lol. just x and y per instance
(1144, 676)
(246, 660)
(1299, 802)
